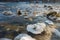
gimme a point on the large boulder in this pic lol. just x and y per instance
(36, 28)
(23, 37)
(51, 15)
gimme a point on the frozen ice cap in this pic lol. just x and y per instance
(36, 28)
(23, 37)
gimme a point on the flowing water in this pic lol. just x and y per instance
(13, 6)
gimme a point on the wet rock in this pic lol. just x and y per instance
(7, 13)
(58, 19)
(45, 6)
(49, 6)
(5, 39)
(56, 32)
(45, 35)
(58, 15)
(25, 14)
(49, 22)
(51, 16)
(19, 12)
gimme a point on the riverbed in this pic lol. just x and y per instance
(13, 6)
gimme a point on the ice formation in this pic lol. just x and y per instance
(7, 13)
(24, 37)
(36, 28)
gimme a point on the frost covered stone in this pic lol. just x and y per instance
(23, 37)
(7, 13)
(36, 28)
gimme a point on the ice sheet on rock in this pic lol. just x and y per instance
(36, 28)
(23, 37)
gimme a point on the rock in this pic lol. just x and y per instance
(54, 16)
(58, 19)
(7, 13)
(19, 12)
(45, 35)
(36, 28)
(58, 15)
(49, 22)
(51, 15)
(23, 37)
(25, 14)
(45, 6)
(35, 14)
(5, 39)
(49, 6)
(56, 32)
(8, 29)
